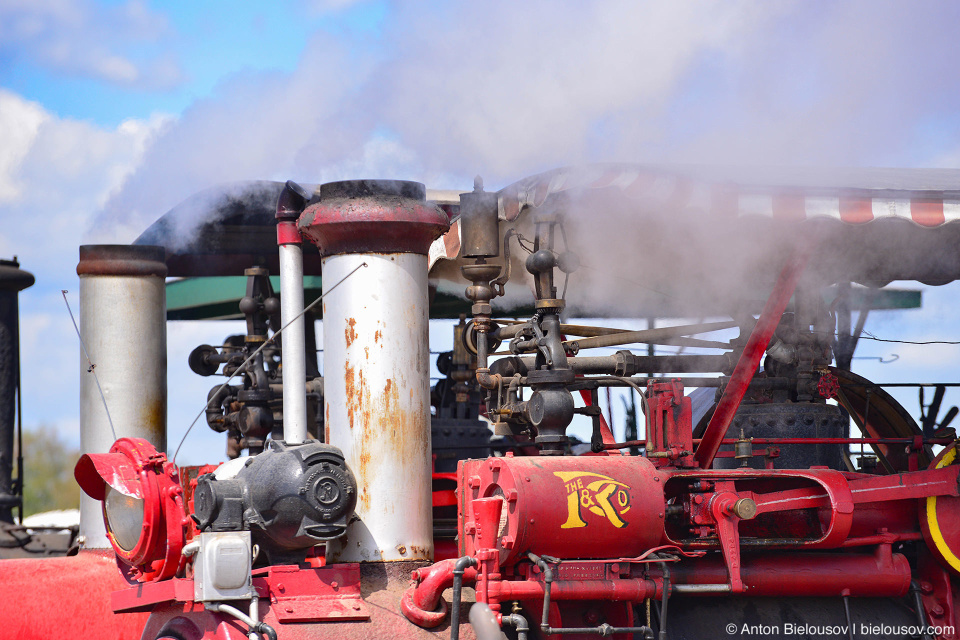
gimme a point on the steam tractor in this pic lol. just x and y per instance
(358, 503)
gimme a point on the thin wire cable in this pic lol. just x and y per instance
(869, 336)
(92, 368)
(866, 335)
(243, 366)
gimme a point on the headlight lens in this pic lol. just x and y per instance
(124, 518)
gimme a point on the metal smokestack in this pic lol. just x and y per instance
(376, 358)
(13, 280)
(123, 308)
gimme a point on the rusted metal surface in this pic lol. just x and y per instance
(52, 596)
(364, 216)
(123, 324)
(122, 260)
(381, 586)
(377, 405)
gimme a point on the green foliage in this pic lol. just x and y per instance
(48, 472)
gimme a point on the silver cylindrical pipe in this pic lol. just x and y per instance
(378, 405)
(123, 326)
(374, 236)
(292, 343)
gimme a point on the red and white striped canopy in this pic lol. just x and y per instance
(706, 226)
(924, 196)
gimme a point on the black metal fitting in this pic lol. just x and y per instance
(291, 202)
(290, 497)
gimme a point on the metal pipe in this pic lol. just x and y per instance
(12, 281)
(750, 358)
(665, 599)
(813, 574)
(123, 325)
(458, 569)
(603, 630)
(377, 395)
(377, 405)
(702, 588)
(420, 603)
(547, 583)
(627, 364)
(292, 346)
(290, 205)
(261, 628)
(518, 622)
(254, 613)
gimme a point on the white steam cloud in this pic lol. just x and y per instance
(507, 90)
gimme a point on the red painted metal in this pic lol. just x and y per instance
(750, 358)
(288, 233)
(300, 594)
(135, 468)
(423, 603)
(181, 621)
(938, 593)
(50, 597)
(553, 505)
(881, 574)
(393, 219)
(669, 431)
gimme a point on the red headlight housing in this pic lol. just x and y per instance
(142, 505)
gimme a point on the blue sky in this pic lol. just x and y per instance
(199, 44)
(113, 112)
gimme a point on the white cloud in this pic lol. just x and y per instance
(20, 121)
(55, 174)
(66, 169)
(82, 37)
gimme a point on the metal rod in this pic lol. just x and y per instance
(750, 358)
(602, 630)
(701, 588)
(649, 335)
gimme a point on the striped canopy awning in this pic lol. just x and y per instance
(928, 197)
(705, 224)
